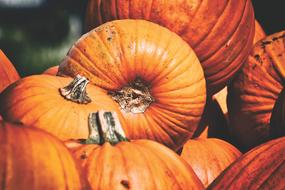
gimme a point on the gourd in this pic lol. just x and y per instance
(220, 31)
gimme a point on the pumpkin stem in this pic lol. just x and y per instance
(134, 98)
(104, 127)
(76, 90)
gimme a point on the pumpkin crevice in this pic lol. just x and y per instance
(134, 98)
(76, 91)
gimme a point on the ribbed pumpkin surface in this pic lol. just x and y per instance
(254, 91)
(261, 168)
(220, 31)
(36, 101)
(31, 159)
(209, 157)
(138, 165)
(117, 53)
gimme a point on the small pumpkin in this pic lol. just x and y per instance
(33, 159)
(42, 101)
(51, 71)
(209, 157)
(110, 161)
(8, 73)
(220, 31)
(154, 77)
(261, 168)
(254, 91)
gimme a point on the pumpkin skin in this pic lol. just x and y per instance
(254, 91)
(220, 31)
(33, 159)
(139, 164)
(8, 73)
(51, 71)
(131, 49)
(261, 168)
(35, 101)
(209, 157)
(259, 32)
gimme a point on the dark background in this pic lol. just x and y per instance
(38, 37)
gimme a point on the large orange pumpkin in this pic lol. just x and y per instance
(32, 159)
(36, 101)
(261, 168)
(220, 31)
(153, 75)
(254, 91)
(110, 161)
(209, 157)
(8, 73)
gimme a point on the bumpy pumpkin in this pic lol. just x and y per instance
(8, 73)
(36, 101)
(33, 159)
(254, 91)
(153, 75)
(261, 168)
(220, 31)
(209, 157)
(110, 161)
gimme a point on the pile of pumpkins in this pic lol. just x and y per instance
(156, 95)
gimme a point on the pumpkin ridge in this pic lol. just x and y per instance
(161, 161)
(124, 160)
(96, 70)
(157, 127)
(250, 160)
(268, 173)
(120, 78)
(142, 152)
(223, 45)
(232, 33)
(271, 176)
(169, 71)
(203, 38)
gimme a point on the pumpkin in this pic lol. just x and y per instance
(277, 121)
(254, 91)
(51, 71)
(33, 159)
(8, 73)
(154, 77)
(110, 161)
(36, 101)
(259, 32)
(220, 31)
(209, 157)
(261, 168)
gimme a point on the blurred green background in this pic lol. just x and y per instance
(36, 34)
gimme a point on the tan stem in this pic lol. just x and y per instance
(104, 126)
(76, 91)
